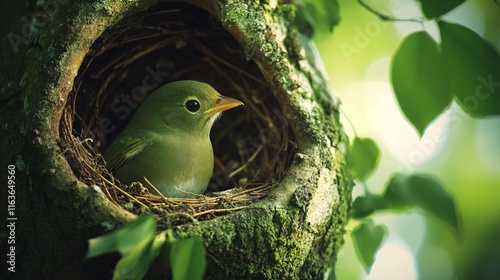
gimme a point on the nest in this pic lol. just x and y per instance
(252, 144)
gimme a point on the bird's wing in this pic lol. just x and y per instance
(125, 147)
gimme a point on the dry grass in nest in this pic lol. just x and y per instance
(251, 144)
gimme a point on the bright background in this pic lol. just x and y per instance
(463, 153)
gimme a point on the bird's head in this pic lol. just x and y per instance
(187, 106)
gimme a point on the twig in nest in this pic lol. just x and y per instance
(252, 158)
(156, 190)
(218, 211)
(116, 187)
(197, 195)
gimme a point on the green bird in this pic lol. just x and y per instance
(168, 139)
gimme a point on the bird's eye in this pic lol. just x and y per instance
(193, 106)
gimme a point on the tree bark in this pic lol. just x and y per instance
(295, 232)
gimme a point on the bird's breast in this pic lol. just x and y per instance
(186, 164)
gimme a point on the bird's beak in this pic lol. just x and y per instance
(222, 104)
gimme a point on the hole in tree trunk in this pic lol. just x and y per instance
(170, 42)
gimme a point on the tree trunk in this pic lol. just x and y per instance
(293, 232)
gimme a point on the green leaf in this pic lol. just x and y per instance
(123, 239)
(135, 264)
(364, 206)
(187, 259)
(473, 69)
(304, 21)
(436, 8)
(367, 238)
(396, 195)
(364, 155)
(312, 15)
(161, 264)
(417, 79)
(332, 9)
(428, 194)
(416, 190)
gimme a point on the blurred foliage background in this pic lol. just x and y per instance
(461, 151)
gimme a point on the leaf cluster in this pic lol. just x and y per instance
(426, 76)
(147, 255)
(402, 193)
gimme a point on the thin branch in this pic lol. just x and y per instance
(390, 18)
